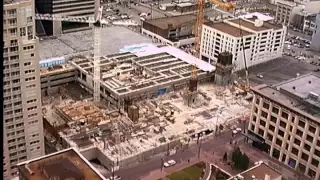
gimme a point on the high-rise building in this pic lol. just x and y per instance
(64, 8)
(23, 129)
(286, 118)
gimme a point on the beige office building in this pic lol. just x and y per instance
(23, 130)
(286, 117)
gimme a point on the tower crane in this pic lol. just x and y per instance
(200, 17)
(198, 29)
(98, 22)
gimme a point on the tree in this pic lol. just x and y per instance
(236, 154)
(225, 156)
(244, 162)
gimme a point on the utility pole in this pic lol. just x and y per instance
(199, 150)
(162, 162)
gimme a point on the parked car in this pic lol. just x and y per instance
(169, 163)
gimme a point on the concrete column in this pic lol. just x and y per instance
(286, 134)
(57, 28)
(294, 127)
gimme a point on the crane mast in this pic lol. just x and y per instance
(96, 56)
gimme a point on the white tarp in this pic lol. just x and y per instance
(260, 16)
(148, 49)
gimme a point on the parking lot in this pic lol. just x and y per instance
(115, 12)
(279, 70)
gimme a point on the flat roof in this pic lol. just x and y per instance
(176, 21)
(81, 42)
(259, 172)
(249, 25)
(260, 16)
(300, 94)
(227, 28)
(64, 164)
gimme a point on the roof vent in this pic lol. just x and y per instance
(294, 88)
(313, 95)
(309, 82)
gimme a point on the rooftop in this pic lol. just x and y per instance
(143, 66)
(250, 24)
(65, 164)
(301, 94)
(81, 42)
(259, 172)
(175, 21)
(258, 15)
(229, 29)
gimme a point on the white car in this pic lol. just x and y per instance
(260, 76)
(169, 163)
(114, 178)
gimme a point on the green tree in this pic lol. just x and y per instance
(236, 154)
(244, 162)
(225, 156)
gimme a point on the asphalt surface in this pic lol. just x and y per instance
(213, 144)
(278, 70)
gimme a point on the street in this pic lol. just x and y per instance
(219, 145)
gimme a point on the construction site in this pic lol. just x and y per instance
(148, 106)
(144, 101)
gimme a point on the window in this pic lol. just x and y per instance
(31, 86)
(13, 31)
(278, 142)
(312, 129)
(275, 110)
(27, 63)
(315, 162)
(280, 133)
(32, 115)
(32, 108)
(297, 141)
(22, 31)
(28, 48)
(264, 114)
(307, 147)
(309, 138)
(273, 119)
(270, 137)
(305, 157)
(262, 123)
(31, 101)
(257, 101)
(29, 71)
(302, 123)
(283, 124)
(30, 79)
(284, 115)
(271, 127)
(295, 151)
(261, 132)
(299, 133)
(266, 105)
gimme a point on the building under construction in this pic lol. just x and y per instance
(148, 106)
